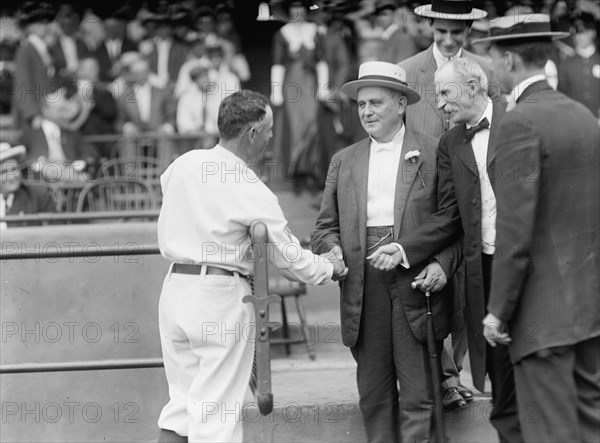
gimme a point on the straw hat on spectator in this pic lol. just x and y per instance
(451, 10)
(7, 152)
(36, 12)
(521, 27)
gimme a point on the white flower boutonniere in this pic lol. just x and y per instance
(412, 156)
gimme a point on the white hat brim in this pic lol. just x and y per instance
(526, 35)
(425, 11)
(351, 88)
(15, 152)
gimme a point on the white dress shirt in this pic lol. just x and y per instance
(479, 144)
(210, 199)
(163, 47)
(55, 150)
(5, 205)
(384, 160)
(440, 58)
(143, 95)
(69, 48)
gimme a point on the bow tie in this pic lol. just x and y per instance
(470, 133)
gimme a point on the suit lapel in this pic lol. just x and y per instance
(533, 88)
(497, 113)
(407, 173)
(360, 176)
(464, 150)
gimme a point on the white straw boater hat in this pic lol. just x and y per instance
(7, 152)
(451, 10)
(384, 75)
(521, 26)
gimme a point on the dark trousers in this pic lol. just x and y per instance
(559, 393)
(388, 355)
(505, 414)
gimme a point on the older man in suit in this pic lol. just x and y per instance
(450, 22)
(377, 190)
(544, 296)
(466, 156)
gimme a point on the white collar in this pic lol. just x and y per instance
(486, 114)
(518, 90)
(389, 146)
(387, 33)
(440, 58)
(586, 52)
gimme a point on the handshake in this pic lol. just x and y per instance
(336, 258)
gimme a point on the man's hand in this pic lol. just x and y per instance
(336, 258)
(495, 331)
(385, 258)
(431, 278)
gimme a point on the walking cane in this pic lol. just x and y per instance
(434, 372)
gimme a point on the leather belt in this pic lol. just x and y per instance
(380, 231)
(192, 269)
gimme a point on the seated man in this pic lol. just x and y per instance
(17, 198)
(56, 148)
(198, 107)
(144, 107)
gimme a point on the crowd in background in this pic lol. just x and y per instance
(73, 69)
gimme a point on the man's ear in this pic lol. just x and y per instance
(511, 60)
(252, 134)
(402, 103)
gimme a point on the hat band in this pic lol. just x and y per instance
(383, 78)
(451, 7)
(521, 28)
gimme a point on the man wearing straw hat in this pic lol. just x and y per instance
(377, 190)
(544, 293)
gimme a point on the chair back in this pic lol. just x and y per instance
(117, 194)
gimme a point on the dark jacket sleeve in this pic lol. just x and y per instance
(517, 192)
(442, 228)
(327, 230)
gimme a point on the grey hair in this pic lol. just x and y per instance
(468, 70)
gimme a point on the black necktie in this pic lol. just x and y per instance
(470, 133)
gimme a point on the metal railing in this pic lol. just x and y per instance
(79, 216)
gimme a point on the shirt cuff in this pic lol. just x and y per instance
(404, 262)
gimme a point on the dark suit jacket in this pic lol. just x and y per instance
(545, 273)
(424, 116)
(58, 55)
(72, 144)
(162, 109)
(579, 79)
(177, 57)
(459, 182)
(31, 81)
(31, 200)
(105, 62)
(400, 46)
(104, 114)
(342, 221)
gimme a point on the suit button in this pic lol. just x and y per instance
(474, 201)
(474, 222)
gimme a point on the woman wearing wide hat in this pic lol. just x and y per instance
(299, 76)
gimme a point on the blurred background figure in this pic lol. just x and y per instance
(115, 42)
(58, 142)
(34, 66)
(198, 106)
(148, 108)
(103, 110)
(479, 29)
(17, 198)
(579, 74)
(299, 77)
(165, 54)
(397, 44)
(369, 34)
(195, 57)
(230, 37)
(69, 47)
